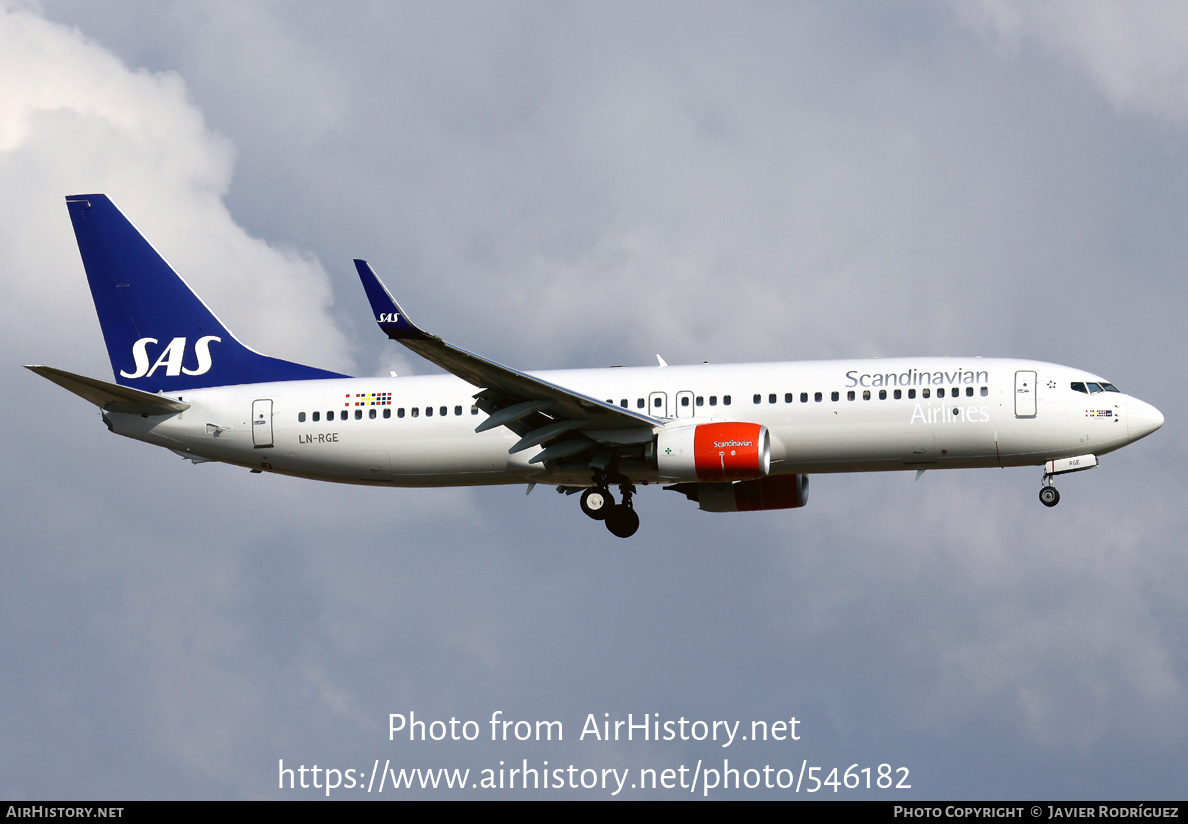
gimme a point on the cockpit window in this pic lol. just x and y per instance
(1092, 388)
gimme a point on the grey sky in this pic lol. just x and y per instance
(561, 185)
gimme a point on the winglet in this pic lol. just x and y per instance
(392, 320)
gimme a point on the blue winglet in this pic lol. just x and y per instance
(392, 320)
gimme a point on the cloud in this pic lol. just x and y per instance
(1134, 52)
(76, 120)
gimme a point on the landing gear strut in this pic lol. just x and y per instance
(1048, 495)
(621, 519)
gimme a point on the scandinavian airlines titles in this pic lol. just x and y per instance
(914, 377)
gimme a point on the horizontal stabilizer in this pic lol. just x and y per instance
(111, 397)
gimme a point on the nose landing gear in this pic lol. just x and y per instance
(1048, 494)
(1060, 466)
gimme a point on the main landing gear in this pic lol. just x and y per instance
(1048, 495)
(621, 519)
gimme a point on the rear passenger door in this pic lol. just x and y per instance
(261, 423)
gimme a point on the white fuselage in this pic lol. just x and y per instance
(419, 431)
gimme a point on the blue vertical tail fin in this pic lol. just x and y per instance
(160, 336)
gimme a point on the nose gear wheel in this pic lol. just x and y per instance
(1048, 494)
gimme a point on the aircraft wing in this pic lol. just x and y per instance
(536, 409)
(110, 396)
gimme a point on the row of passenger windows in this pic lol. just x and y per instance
(373, 413)
(851, 395)
(790, 397)
(658, 402)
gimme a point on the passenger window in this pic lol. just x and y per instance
(684, 400)
(940, 393)
(788, 397)
(371, 413)
(726, 400)
(925, 392)
(713, 400)
(300, 417)
(474, 410)
(317, 416)
(428, 411)
(623, 403)
(342, 416)
(833, 396)
(850, 395)
(865, 394)
(700, 401)
(444, 411)
(804, 397)
(416, 410)
(639, 404)
(817, 397)
(358, 414)
(400, 412)
(912, 394)
(985, 391)
(656, 402)
(969, 391)
(457, 410)
(388, 412)
(771, 398)
(898, 394)
(758, 399)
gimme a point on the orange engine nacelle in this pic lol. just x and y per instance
(711, 452)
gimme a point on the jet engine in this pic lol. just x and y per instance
(727, 451)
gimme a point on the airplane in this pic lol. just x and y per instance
(730, 437)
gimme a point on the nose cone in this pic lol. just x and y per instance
(1142, 419)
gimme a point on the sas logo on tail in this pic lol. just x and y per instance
(171, 357)
(392, 317)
